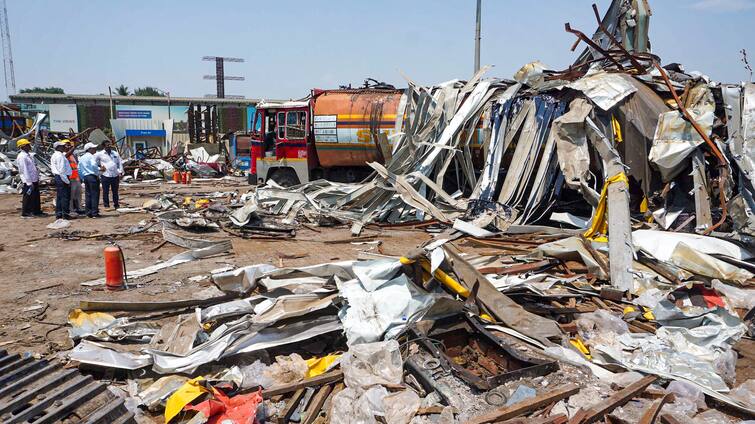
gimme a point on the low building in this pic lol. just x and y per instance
(135, 120)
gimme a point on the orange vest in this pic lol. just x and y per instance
(74, 166)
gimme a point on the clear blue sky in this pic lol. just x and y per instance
(294, 45)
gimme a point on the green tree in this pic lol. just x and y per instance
(148, 91)
(122, 90)
(45, 90)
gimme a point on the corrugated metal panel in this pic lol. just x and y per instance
(37, 391)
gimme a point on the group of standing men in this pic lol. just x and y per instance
(98, 165)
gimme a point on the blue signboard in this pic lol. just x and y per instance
(145, 133)
(134, 114)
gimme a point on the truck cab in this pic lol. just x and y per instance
(280, 143)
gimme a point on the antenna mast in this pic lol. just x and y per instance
(10, 75)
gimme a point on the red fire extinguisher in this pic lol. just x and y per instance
(177, 176)
(115, 268)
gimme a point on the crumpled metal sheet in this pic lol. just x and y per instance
(571, 249)
(105, 327)
(686, 347)
(675, 138)
(274, 309)
(92, 353)
(211, 350)
(744, 153)
(699, 263)
(604, 89)
(285, 334)
(241, 280)
(571, 143)
(500, 305)
(372, 315)
(487, 182)
(661, 244)
(246, 213)
(227, 309)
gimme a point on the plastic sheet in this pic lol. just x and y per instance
(254, 375)
(369, 364)
(350, 406)
(400, 407)
(745, 392)
(712, 416)
(688, 399)
(287, 369)
(601, 321)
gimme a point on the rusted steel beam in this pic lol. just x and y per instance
(525, 406)
(581, 35)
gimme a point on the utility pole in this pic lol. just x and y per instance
(477, 37)
(10, 76)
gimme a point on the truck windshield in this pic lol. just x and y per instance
(295, 124)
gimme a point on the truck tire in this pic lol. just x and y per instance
(285, 177)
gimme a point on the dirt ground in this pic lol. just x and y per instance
(42, 274)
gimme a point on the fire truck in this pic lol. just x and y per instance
(331, 134)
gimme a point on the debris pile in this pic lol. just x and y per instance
(592, 260)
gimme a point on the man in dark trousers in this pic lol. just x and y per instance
(111, 175)
(27, 169)
(61, 171)
(89, 170)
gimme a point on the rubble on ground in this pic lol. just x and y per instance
(592, 260)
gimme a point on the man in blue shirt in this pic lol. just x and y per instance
(89, 170)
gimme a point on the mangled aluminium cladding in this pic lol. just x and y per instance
(676, 138)
(501, 306)
(571, 143)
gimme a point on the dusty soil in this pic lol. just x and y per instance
(41, 274)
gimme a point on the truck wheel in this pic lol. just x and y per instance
(285, 177)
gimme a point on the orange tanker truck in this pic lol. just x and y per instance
(332, 134)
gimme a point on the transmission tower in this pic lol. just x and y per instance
(10, 75)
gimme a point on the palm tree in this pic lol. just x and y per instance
(122, 90)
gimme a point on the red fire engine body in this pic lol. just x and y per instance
(332, 134)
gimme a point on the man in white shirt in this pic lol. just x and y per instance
(61, 171)
(89, 170)
(27, 169)
(111, 160)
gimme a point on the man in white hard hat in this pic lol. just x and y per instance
(27, 169)
(61, 171)
(110, 178)
(89, 170)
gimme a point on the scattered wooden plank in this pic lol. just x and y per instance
(555, 419)
(614, 401)
(321, 379)
(315, 405)
(43, 288)
(285, 414)
(669, 419)
(527, 405)
(654, 409)
(518, 268)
